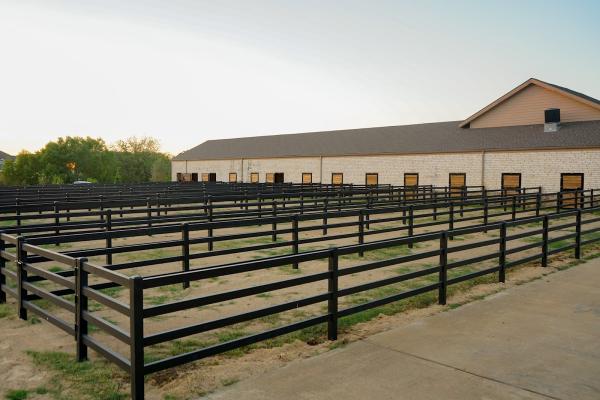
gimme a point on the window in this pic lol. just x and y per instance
(270, 177)
(570, 183)
(411, 179)
(254, 177)
(337, 178)
(371, 179)
(307, 177)
(232, 177)
(458, 181)
(205, 176)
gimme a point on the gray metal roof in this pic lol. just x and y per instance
(439, 137)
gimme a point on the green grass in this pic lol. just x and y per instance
(55, 269)
(17, 394)
(6, 311)
(99, 380)
(113, 291)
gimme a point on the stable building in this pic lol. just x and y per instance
(538, 134)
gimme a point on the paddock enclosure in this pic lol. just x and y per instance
(155, 276)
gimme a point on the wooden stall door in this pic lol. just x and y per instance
(372, 179)
(270, 177)
(194, 177)
(411, 182)
(307, 177)
(569, 185)
(337, 178)
(278, 177)
(511, 183)
(232, 177)
(457, 182)
(254, 177)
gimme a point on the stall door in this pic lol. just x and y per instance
(457, 183)
(278, 178)
(511, 183)
(232, 177)
(307, 177)
(411, 182)
(337, 178)
(270, 178)
(569, 185)
(371, 179)
(254, 177)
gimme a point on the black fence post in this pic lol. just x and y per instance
(149, 214)
(435, 201)
(81, 307)
(185, 251)
(411, 224)
(259, 201)
(295, 238)
(332, 303)
(101, 207)
(136, 334)
(578, 235)
(451, 220)
(56, 220)
(502, 256)
(109, 256)
(462, 201)
(514, 208)
(361, 231)
(545, 241)
(2, 267)
(274, 224)
(592, 198)
(21, 277)
(301, 203)
(538, 203)
(558, 201)
(18, 210)
(210, 220)
(486, 212)
(443, 275)
(325, 204)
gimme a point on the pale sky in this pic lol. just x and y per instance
(185, 71)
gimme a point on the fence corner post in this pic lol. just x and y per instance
(81, 307)
(332, 303)
(136, 334)
(21, 277)
(443, 275)
(545, 241)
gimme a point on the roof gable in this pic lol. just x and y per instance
(524, 105)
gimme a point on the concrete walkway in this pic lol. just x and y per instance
(540, 340)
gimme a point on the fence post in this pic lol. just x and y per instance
(136, 333)
(332, 303)
(545, 241)
(18, 210)
(538, 203)
(578, 235)
(2, 266)
(435, 201)
(451, 220)
(210, 220)
(485, 213)
(274, 224)
(514, 208)
(101, 207)
(592, 198)
(462, 201)
(301, 203)
(109, 257)
(361, 230)
(81, 307)
(502, 256)
(443, 275)
(411, 224)
(56, 221)
(325, 204)
(558, 201)
(259, 201)
(185, 251)
(21, 277)
(149, 214)
(295, 238)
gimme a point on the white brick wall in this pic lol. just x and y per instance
(538, 168)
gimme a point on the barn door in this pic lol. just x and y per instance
(458, 181)
(194, 177)
(254, 177)
(270, 178)
(278, 178)
(411, 182)
(307, 177)
(511, 183)
(232, 177)
(371, 179)
(569, 185)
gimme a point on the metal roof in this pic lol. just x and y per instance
(440, 137)
(5, 156)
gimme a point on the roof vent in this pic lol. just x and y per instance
(551, 119)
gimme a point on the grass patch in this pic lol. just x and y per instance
(5, 311)
(17, 394)
(112, 291)
(81, 380)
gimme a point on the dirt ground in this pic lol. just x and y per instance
(18, 370)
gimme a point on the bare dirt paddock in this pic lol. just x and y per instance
(36, 359)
